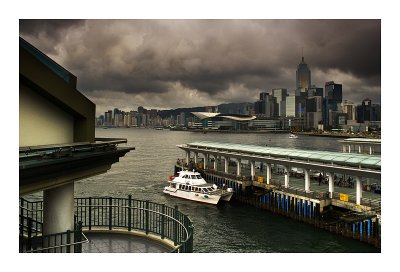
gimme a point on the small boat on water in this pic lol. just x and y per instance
(190, 185)
(293, 136)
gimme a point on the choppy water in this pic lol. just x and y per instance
(227, 227)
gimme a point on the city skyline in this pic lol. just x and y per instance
(166, 64)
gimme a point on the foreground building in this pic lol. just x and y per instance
(57, 146)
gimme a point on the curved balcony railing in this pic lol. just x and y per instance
(127, 214)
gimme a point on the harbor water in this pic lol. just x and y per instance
(228, 227)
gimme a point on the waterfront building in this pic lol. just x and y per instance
(303, 77)
(290, 106)
(181, 119)
(349, 108)
(108, 118)
(100, 121)
(280, 95)
(266, 106)
(368, 111)
(332, 102)
(272, 124)
(221, 121)
(314, 112)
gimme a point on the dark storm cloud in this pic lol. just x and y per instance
(52, 30)
(210, 56)
(352, 46)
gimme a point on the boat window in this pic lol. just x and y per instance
(198, 176)
(193, 176)
(189, 188)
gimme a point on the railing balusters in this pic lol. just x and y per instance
(145, 216)
(129, 212)
(110, 214)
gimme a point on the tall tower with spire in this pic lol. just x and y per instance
(303, 77)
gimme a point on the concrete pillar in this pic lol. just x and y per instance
(344, 148)
(252, 169)
(358, 190)
(307, 180)
(286, 176)
(238, 167)
(215, 163)
(268, 168)
(349, 148)
(206, 160)
(58, 211)
(370, 150)
(359, 149)
(187, 157)
(330, 184)
(226, 164)
(196, 158)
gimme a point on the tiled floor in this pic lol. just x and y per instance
(121, 243)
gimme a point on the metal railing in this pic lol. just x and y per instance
(32, 240)
(376, 204)
(68, 150)
(131, 215)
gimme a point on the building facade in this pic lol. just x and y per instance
(303, 77)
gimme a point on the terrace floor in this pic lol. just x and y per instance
(121, 243)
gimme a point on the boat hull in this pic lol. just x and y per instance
(227, 197)
(199, 197)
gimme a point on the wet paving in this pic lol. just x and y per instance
(121, 243)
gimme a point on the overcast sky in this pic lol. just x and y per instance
(183, 63)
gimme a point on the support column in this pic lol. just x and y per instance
(358, 190)
(206, 160)
(226, 164)
(286, 176)
(58, 211)
(196, 158)
(252, 169)
(215, 163)
(268, 168)
(238, 167)
(349, 148)
(331, 189)
(307, 180)
(370, 150)
(187, 157)
(344, 148)
(359, 149)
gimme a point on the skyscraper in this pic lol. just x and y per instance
(303, 77)
(332, 101)
(280, 95)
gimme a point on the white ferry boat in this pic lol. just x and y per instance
(190, 185)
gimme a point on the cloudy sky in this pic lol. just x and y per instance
(183, 63)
